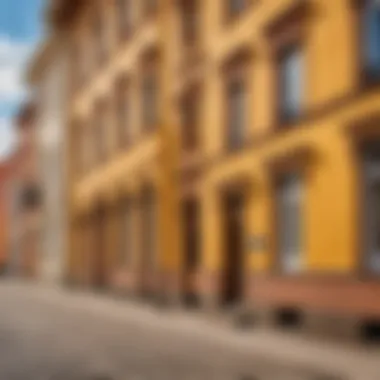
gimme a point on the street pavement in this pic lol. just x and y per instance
(48, 333)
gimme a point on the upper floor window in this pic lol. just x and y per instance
(31, 196)
(149, 7)
(100, 37)
(190, 21)
(83, 147)
(100, 131)
(235, 7)
(123, 110)
(291, 76)
(290, 193)
(149, 101)
(371, 38)
(124, 13)
(190, 108)
(236, 103)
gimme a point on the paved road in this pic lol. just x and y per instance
(48, 334)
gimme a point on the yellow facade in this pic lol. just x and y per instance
(321, 144)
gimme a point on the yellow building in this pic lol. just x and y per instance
(226, 151)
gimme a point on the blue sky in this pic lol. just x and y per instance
(20, 29)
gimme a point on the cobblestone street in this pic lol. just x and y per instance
(50, 334)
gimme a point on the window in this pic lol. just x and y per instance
(371, 38)
(149, 101)
(291, 83)
(83, 147)
(190, 118)
(371, 200)
(78, 65)
(236, 109)
(100, 38)
(235, 7)
(31, 196)
(123, 115)
(150, 7)
(125, 18)
(148, 228)
(190, 16)
(100, 132)
(290, 202)
(126, 234)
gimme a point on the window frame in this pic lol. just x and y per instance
(191, 97)
(195, 35)
(99, 31)
(368, 180)
(149, 8)
(289, 29)
(150, 71)
(281, 254)
(126, 212)
(124, 9)
(231, 15)
(236, 71)
(100, 132)
(284, 115)
(365, 79)
(123, 104)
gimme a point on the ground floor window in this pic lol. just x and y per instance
(148, 209)
(290, 194)
(126, 232)
(371, 179)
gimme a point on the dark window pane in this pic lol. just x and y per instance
(150, 7)
(31, 197)
(290, 223)
(236, 6)
(123, 111)
(236, 99)
(371, 34)
(149, 102)
(125, 19)
(126, 233)
(372, 207)
(100, 42)
(190, 17)
(291, 83)
(190, 115)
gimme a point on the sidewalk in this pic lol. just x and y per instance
(350, 362)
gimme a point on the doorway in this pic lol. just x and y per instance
(191, 234)
(233, 236)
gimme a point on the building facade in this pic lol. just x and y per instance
(7, 175)
(47, 77)
(226, 152)
(23, 196)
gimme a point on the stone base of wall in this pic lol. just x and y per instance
(331, 308)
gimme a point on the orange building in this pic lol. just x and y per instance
(5, 175)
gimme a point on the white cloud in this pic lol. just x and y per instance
(13, 58)
(7, 137)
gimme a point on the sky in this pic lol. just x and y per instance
(20, 30)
